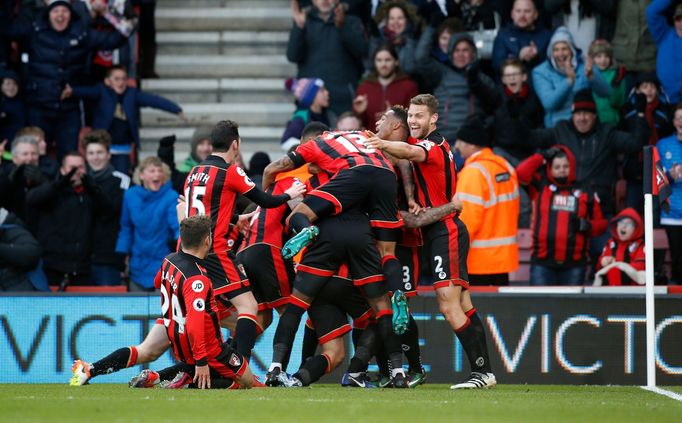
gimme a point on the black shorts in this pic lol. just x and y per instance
(346, 238)
(446, 245)
(228, 364)
(226, 274)
(372, 189)
(329, 312)
(409, 258)
(269, 275)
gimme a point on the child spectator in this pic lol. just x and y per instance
(670, 152)
(312, 100)
(608, 107)
(397, 21)
(565, 217)
(109, 185)
(12, 113)
(118, 111)
(48, 165)
(648, 98)
(622, 260)
(148, 223)
(385, 86)
(443, 33)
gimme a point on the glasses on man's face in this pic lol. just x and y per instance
(512, 75)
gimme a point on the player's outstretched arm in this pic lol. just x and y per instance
(431, 215)
(399, 149)
(274, 168)
(268, 201)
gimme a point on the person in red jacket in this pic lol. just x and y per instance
(564, 218)
(385, 86)
(622, 260)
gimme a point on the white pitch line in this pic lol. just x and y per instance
(659, 391)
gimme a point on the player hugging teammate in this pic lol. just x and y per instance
(350, 228)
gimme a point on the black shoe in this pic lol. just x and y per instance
(273, 377)
(399, 381)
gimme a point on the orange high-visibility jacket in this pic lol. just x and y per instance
(489, 188)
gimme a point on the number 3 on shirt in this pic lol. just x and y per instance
(176, 312)
(195, 201)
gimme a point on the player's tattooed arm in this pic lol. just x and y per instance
(278, 166)
(431, 215)
(408, 185)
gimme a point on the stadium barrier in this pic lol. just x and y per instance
(543, 337)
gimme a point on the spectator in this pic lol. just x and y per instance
(670, 152)
(59, 45)
(326, 43)
(461, 88)
(257, 165)
(108, 185)
(61, 217)
(594, 145)
(520, 108)
(200, 148)
(312, 100)
(12, 113)
(19, 254)
(385, 86)
(47, 164)
(565, 216)
(608, 108)
(645, 98)
(20, 175)
(562, 75)
(622, 260)
(489, 190)
(477, 14)
(111, 15)
(585, 19)
(118, 111)
(148, 223)
(522, 39)
(349, 121)
(668, 40)
(633, 46)
(397, 23)
(444, 31)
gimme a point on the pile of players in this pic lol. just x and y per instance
(373, 204)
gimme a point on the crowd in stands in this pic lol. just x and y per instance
(560, 94)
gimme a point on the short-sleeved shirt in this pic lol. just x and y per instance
(435, 178)
(189, 311)
(335, 151)
(211, 189)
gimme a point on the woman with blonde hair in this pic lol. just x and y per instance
(149, 224)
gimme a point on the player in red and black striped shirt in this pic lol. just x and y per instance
(211, 189)
(190, 313)
(446, 241)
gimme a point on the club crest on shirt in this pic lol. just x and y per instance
(567, 203)
(235, 361)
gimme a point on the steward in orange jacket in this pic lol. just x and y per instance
(489, 188)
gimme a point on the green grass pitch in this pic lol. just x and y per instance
(326, 403)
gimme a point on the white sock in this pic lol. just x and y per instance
(396, 371)
(275, 365)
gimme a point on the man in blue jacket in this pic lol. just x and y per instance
(522, 39)
(118, 111)
(58, 44)
(669, 43)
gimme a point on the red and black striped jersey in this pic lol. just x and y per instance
(435, 178)
(211, 189)
(267, 225)
(334, 151)
(189, 310)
